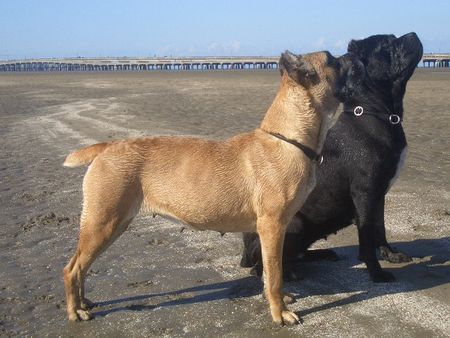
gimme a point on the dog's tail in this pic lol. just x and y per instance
(85, 155)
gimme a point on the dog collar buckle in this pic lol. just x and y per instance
(394, 119)
(358, 111)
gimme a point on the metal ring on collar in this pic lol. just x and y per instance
(320, 161)
(358, 111)
(394, 119)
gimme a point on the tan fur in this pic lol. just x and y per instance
(250, 182)
(85, 155)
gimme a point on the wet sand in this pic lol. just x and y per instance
(157, 281)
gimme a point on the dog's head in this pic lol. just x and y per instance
(389, 63)
(318, 75)
(388, 58)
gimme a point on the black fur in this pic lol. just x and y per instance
(360, 158)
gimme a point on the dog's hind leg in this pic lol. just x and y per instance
(85, 303)
(109, 207)
(71, 288)
(271, 233)
(94, 239)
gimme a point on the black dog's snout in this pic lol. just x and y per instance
(412, 37)
(411, 44)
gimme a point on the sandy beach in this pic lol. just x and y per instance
(157, 281)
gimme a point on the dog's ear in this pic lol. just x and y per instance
(351, 78)
(298, 69)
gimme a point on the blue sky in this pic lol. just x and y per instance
(51, 28)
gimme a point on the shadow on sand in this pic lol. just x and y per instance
(430, 268)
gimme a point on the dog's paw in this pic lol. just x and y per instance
(73, 317)
(383, 277)
(84, 315)
(86, 304)
(398, 257)
(79, 315)
(288, 298)
(393, 256)
(289, 318)
(284, 317)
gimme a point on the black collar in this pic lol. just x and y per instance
(391, 118)
(313, 156)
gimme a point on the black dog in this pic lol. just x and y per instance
(362, 154)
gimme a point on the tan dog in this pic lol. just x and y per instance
(254, 181)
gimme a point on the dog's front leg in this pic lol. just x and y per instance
(386, 251)
(271, 233)
(367, 210)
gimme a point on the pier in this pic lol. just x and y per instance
(167, 63)
(436, 60)
(138, 64)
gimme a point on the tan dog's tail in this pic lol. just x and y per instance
(85, 155)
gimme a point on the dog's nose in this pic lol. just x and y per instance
(411, 36)
(411, 43)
